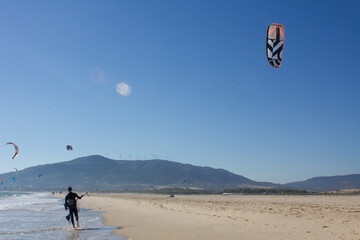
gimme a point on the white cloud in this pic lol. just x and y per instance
(123, 89)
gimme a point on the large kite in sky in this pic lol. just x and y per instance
(275, 39)
(16, 149)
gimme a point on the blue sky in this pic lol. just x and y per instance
(202, 91)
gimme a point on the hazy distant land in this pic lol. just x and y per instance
(97, 173)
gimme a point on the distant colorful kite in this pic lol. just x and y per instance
(69, 147)
(275, 39)
(16, 149)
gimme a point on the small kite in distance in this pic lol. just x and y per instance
(275, 39)
(69, 147)
(16, 149)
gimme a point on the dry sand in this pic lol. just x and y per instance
(158, 217)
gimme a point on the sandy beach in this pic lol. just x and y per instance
(186, 217)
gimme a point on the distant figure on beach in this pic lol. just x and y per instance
(171, 195)
(70, 203)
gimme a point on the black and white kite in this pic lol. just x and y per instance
(275, 40)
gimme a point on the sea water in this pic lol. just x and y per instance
(41, 216)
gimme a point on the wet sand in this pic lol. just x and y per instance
(230, 217)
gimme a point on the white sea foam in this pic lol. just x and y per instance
(40, 216)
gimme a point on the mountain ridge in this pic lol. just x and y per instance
(327, 183)
(98, 173)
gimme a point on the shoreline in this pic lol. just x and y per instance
(147, 216)
(98, 212)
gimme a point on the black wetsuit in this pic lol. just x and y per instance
(70, 202)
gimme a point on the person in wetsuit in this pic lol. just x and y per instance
(70, 203)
